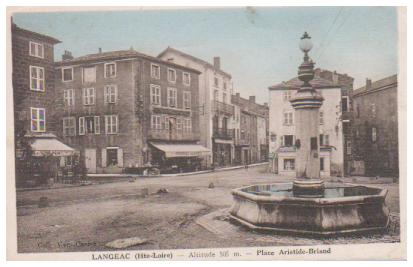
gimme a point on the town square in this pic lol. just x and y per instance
(248, 127)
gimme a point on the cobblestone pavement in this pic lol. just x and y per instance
(190, 215)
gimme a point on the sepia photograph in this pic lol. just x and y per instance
(208, 133)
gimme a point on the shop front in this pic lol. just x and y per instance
(172, 157)
(40, 160)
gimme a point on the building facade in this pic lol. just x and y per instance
(251, 142)
(216, 111)
(33, 81)
(124, 109)
(282, 129)
(346, 84)
(38, 150)
(375, 131)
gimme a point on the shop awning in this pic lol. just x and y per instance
(49, 145)
(182, 150)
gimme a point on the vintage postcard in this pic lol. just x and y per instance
(238, 133)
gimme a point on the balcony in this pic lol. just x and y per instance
(222, 133)
(169, 135)
(220, 107)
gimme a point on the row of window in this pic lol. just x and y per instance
(89, 73)
(171, 74)
(90, 125)
(164, 122)
(288, 140)
(172, 97)
(288, 118)
(89, 95)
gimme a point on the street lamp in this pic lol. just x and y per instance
(306, 44)
(306, 69)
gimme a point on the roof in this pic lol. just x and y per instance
(116, 55)
(203, 62)
(46, 38)
(295, 84)
(382, 84)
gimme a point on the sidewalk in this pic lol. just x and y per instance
(125, 175)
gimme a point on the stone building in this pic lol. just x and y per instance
(127, 109)
(217, 112)
(33, 80)
(251, 142)
(282, 139)
(375, 131)
(37, 148)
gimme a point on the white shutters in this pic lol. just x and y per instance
(172, 97)
(97, 124)
(120, 157)
(103, 157)
(187, 99)
(81, 125)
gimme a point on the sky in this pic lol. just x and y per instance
(257, 46)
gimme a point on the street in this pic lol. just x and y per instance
(189, 215)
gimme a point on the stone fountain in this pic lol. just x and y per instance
(308, 205)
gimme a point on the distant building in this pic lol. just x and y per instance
(251, 131)
(282, 129)
(217, 112)
(126, 109)
(375, 131)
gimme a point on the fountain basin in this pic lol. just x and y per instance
(343, 208)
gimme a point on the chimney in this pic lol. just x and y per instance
(252, 98)
(368, 84)
(67, 55)
(217, 63)
(100, 50)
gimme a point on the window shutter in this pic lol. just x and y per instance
(103, 157)
(105, 94)
(81, 125)
(120, 157)
(282, 140)
(97, 124)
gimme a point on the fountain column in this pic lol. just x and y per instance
(306, 103)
